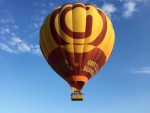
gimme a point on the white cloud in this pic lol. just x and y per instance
(17, 45)
(5, 48)
(4, 31)
(15, 41)
(109, 9)
(129, 9)
(143, 70)
(23, 47)
(132, 6)
(36, 49)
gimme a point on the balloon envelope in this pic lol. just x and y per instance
(77, 40)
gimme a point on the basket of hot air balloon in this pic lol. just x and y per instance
(77, 40)
(77, 95)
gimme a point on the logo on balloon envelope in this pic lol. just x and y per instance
(83, 26)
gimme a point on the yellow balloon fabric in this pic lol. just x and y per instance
(77, 40)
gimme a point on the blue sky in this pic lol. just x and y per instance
(29, 85)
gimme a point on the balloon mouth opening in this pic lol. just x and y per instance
(76, 85)
(76, 82)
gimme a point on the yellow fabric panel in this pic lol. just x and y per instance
(79, 22)
(88, 48)
(44, 49)
(79, 19)
(107, 44)
(112, 40)
(68, 20)
(68, 47)
(110, 48)
(46, 35)
(78, 41)
(78, 48)
(96, 23)
(60, 32)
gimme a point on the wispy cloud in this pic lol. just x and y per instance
(5, 48)
(144, 1)
(35, 49)
(11, 41)
(19, 45)
(16, 45)
(109, 9)
(131, 6)
(129, 9)
(4, 30)
(142, 70)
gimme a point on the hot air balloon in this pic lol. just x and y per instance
(76, 41)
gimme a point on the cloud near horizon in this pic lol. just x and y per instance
(142, 70)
